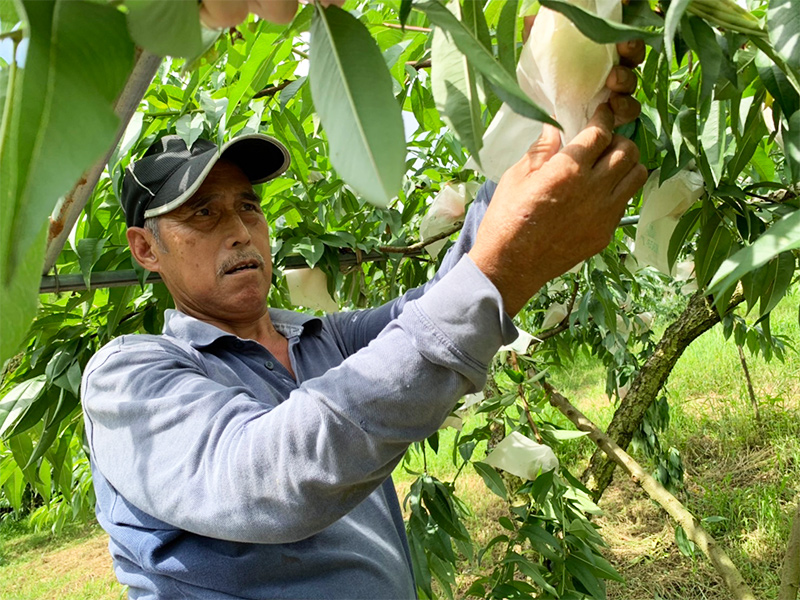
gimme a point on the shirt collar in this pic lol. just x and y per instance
(200, 334)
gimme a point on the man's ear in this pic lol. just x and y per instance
(144, 248)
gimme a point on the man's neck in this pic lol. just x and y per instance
(260, 330)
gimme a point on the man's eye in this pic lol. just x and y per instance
(251, 206)
(202, 212)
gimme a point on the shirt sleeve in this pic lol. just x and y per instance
(205, 456)
(355, 329)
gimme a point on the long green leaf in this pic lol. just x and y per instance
(455, 91)
(503, 83)
(17, 400)
(61, 121)
(791, 145)
(352, 91)
(783, 20)
(601, 30)
(671, 21)
(782, 236)
(166, 28)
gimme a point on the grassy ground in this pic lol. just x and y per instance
(746, 472)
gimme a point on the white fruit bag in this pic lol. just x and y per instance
(519, 345)
(446, 211)
(555, 314)
(561, 70)
(662, 207)
(309, 288)
(522, 456)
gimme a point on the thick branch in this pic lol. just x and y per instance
(694, 531)
(273, 89)
(790, 573)
(698, 317)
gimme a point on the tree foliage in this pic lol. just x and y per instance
(396, 98)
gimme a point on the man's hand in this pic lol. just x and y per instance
(554, 209)
(218, 14)
(622, 82)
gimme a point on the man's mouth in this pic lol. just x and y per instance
(242, 266)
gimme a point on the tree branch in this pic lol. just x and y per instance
(273, 89)
(564, 324)
(407, 27)
(790, 573)
(698, 317)
(694, 531)
(419, 246)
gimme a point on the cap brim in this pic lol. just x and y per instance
(260, 157)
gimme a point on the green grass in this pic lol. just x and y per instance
(71, 565)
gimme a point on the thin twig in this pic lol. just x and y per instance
(564, 324)
(300, 53)
(694, 530)
(521, 392)
(407, 27)
(750, 391)
(273, 89)
(420, 245)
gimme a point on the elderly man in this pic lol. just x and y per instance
(246, 452)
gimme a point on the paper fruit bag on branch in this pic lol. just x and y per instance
(309, 288)
(561, 70)
(446, 211)
(662, 207)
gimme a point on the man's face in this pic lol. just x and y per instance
(215, 255)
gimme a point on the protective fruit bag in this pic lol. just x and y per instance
(561, 70)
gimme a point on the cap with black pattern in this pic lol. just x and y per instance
(169, 173)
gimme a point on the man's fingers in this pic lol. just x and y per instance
(217, 14)
(624, 107)
(276, 11)
(544, 148)
(593, 140)
(631, 53)
(631, 183)
(622, 80)
(620, 157)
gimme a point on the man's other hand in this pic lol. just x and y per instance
(218, 14)
(554, 208)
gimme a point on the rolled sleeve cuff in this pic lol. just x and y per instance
(460, 322)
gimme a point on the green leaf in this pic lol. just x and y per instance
(455, 91)
(791, 144)
(507, 36)
(583, 573)
(685, 227)
(600, 30)
(481, 59)
(352, 91)
(166, 28)
(492, 479)
(89, 251)
(777, 85)
(783, 22)
(780, 277)
(703, 41)
(405, 10)
(8, 16)
(258, 63)
(782, 236)
(64, 94)
(685, 545)
(17, 400)
(671, 21)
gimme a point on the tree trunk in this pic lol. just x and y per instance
(694, 530)
(790, 574)
(698, 317)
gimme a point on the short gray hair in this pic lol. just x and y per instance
(151, 224)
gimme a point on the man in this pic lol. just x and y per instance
(246, 452)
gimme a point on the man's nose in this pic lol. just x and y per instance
(236, 229)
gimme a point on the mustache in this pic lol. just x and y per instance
(240, 257)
